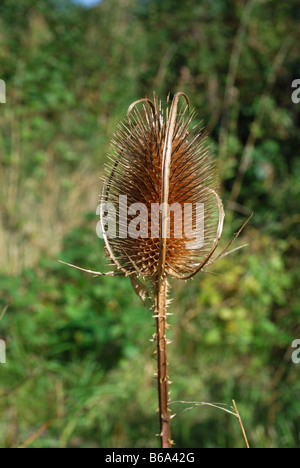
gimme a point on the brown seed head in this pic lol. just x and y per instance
(161, 157)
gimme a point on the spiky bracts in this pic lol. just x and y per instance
(161, 157)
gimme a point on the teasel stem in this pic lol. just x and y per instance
(160, 288)
(160, 292)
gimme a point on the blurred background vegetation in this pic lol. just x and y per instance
(79, 361)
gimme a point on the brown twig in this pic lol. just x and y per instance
(222, 407)
(3, 312)
(241, 424)
(37, 434)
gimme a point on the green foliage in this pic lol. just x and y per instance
(78, 348)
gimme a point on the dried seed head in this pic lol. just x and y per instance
(161, 181)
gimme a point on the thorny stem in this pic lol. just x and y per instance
(241, 424)
(162, 365)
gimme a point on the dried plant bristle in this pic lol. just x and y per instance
(136, 170)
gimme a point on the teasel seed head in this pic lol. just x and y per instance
(161, 161)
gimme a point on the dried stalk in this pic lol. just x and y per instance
(157, 159)
(222, 407)
(160, 298)
(241, 424)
